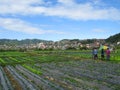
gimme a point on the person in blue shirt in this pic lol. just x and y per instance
(95, 53)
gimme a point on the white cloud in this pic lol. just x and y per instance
(99, 30)
(66, 2)
(20, 7)
(22, 26)
(63, 8)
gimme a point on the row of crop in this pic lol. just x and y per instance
(92, 65)
(18, 59)
(26, 78)
(24, 83)
(56, 76)
(12, 53)
(8, 60)
(2, 61)
(32, 59)
(4, 82)
(67, 79)
(37, 79)
(78, 71)
(30, 76)
(15, 60)
(93, 70)
(60, 74)
(34, 70)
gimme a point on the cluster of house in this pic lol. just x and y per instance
(63, 45)
(52, 45)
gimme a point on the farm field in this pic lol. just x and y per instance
(57, 70)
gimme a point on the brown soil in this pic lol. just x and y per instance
(14, 83)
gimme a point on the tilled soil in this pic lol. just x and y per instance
(84, 74)
(67, 75)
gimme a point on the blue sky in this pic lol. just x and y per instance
(59, 19)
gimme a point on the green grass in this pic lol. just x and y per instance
(15, 57)
(34, 70)
(12, 53)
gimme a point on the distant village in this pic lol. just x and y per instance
(59, 45)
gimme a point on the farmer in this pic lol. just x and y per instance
(108, 54)
(102, 54)
(95, 52)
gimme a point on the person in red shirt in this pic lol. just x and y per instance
(108, 54)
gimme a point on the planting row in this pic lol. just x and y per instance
(103, 72)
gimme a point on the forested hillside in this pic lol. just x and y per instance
(35, 41)
(21, 42)
(113, 39)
